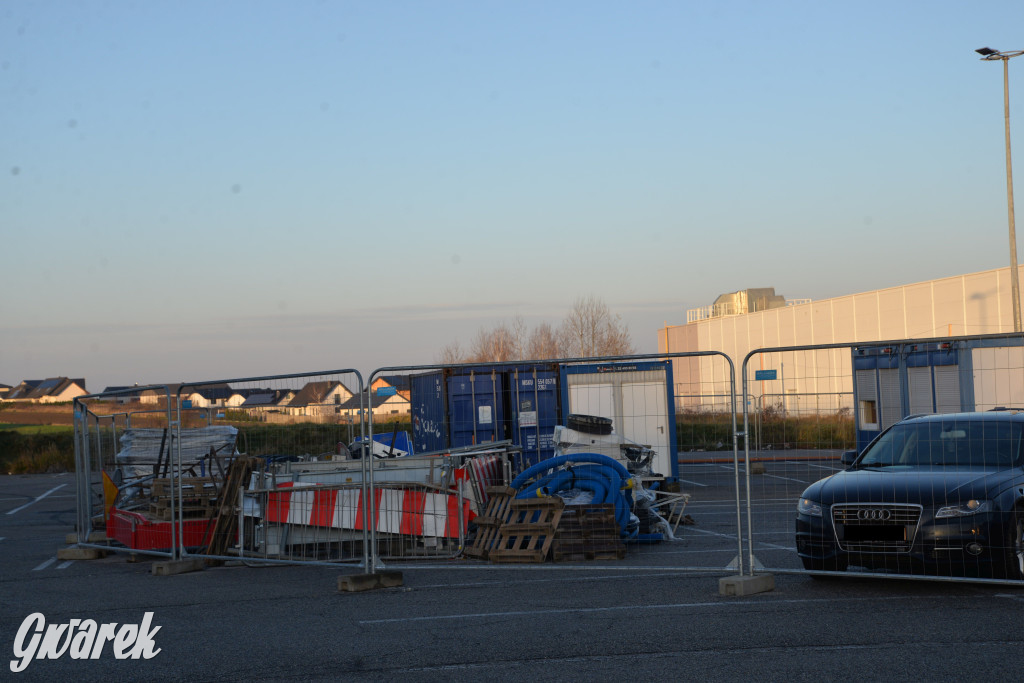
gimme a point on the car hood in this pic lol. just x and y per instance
(909, 486)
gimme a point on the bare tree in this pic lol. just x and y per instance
(452, 354)
(500, 344)
(591, 330)
(543, 343)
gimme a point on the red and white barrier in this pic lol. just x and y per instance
(476, 475)
(395, 511)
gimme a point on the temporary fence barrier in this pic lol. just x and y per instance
(938, 498)
(97, 475)
(178, 476)
(621, 407)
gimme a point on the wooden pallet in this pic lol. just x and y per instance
(225, 530)
(198, 497)
(191, 487)
(529, 531)
(497, 512)
(162, 511)
(588, 532)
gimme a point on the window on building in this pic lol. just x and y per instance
(869, 414)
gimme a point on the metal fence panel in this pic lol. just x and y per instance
(667, 500)
(938, 490)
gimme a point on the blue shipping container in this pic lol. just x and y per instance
(429, 426)
(475, 407)
(534, 407)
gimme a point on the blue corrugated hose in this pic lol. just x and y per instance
(605, 477)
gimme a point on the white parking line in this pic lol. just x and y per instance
(775, 476)
(721, 604)
(11, 512)
(65, 565)
(46, 564)
(686, 481)
(712, 533)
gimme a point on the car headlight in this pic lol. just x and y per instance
(806, 506)
(971, 507)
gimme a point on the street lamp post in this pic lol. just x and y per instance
(988, 54)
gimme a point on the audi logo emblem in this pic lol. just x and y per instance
(874, 515)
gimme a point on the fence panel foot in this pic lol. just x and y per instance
(736, 586)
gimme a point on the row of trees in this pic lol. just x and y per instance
(589, 330)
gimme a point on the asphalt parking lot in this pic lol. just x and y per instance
(642, 617)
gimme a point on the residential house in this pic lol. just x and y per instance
(4, 390)
(400, 383)
(319, 399)
(267, 400)
(50, 390)
(214, 396)
(124, 395)
(384, 406)
(156, 395)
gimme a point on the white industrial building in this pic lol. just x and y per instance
(823, 380)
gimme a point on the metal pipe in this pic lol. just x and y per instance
(988, 54)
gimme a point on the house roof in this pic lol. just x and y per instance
(375, 401)
(266, 397)
(23, 389)
(400, 382)
(40, 388)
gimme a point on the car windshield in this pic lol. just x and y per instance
(986, 444)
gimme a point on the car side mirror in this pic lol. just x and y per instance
(848, 457)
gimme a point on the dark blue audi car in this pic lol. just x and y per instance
(935, 494)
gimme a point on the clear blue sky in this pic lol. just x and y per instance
(198, 190)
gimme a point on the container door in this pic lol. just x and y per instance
(645, 419)
(475, 408)
(427, 404)
(535, 413)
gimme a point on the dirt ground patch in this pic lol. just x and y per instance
(38, 415)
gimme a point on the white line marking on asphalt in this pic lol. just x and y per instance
(686, 481)
(573, 579)
(584, 610)
(712, 533)
(46, 564)
(775, 476)
(11, 512)
(3, 538)
(65, 565)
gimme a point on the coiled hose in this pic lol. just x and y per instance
(605, 477)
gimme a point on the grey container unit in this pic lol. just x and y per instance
(913, 378)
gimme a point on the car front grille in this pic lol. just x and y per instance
(876, 528)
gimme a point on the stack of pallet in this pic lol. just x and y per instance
(531, 529)
(198, 498)
(588, 532)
